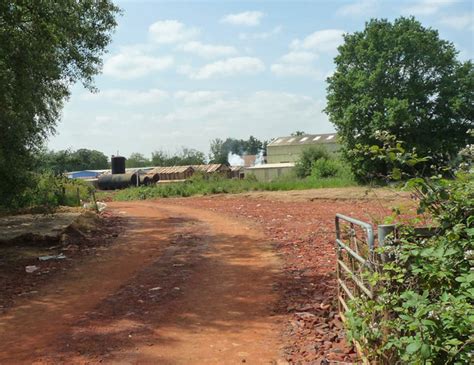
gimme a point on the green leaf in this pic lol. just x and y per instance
(425, 351)
(396, 174)
(413, 347)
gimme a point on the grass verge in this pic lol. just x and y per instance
(217, 185)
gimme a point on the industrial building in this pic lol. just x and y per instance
(270, 171)
(289, 149)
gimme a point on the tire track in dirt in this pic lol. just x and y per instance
(181, 286)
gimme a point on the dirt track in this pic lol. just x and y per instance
(180, 286)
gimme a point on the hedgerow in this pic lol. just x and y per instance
(423, 310)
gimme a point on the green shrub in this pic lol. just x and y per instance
(423, 310)
(309, 156)
(324, 168)
(222, 185)
(49, 191)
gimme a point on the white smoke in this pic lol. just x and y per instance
(259, 159)
(235, 160)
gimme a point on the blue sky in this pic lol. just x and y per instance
(183, 73)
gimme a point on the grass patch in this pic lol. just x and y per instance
(217, 185)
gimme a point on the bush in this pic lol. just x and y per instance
(48, 191)
(220, 185)
(324, 168)
(309, 156)
(423, 310)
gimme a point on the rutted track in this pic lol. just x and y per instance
(180, 286)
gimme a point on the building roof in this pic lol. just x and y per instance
(236, 168)
(170, 169)
(271, 166)
(214, 167)
(305, 139)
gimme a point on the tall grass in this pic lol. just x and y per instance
(217, 185)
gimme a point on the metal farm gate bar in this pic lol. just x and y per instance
(355, 244)
(354, 250)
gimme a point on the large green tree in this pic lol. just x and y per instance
(137, 160)
(402, 78)
(67, 160)
(187, 156)
(45, 47)
(220, 149)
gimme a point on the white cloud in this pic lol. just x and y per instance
(459, 22)
(127, 97)
(288, 69)
(228, 67)
(207, 50)
(197, 97)
(297, 63)
(171, 31)
(427, 7)
(299, 57)
(359, 7)
(300, 60)
(129, 64)
(247, 18)
(261, 35)
(321, 41)
(264, 114)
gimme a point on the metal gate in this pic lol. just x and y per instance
(355, 253)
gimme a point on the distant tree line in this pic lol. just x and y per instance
(68, 160)
(187, 156)
(220, 149)
(84, 159)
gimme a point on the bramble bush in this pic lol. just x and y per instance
(423, 310)
(47, 191)
(308, 158)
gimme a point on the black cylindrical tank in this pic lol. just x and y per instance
(118, 165)
(117, 181)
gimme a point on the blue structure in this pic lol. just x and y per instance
(85, 174)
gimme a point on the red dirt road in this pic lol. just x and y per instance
(180, 286)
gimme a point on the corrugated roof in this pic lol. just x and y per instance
(305, 139)
(170, 169)
(271, 166)
(236, 168)
(210, 168)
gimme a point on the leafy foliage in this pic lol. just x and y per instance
(220, 149)
(200, 185)
(423, 312)
(402, 78)
(137, 160)
(45, 47)
(49, 191)
(187, 156)
(332, 167)
(67, 160)
(308, 158)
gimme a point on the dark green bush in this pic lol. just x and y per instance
(48, 191)
(324, 168)
(423, 310)
(309, 156)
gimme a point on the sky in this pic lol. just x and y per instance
(180, 74)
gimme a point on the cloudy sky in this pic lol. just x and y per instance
(183, 73)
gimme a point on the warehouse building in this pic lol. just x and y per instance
(289, 149)
(270, 171)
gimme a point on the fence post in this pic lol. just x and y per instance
(383, 231)
(78, 197)
(94, 201)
